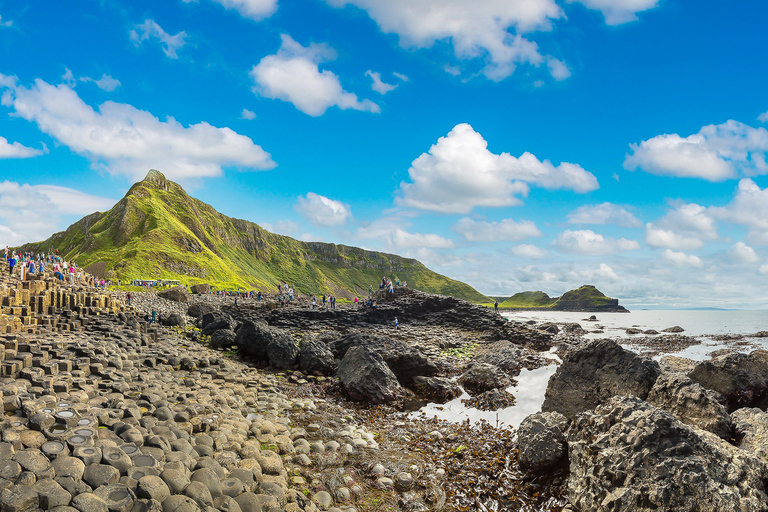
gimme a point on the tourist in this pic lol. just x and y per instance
(314, 302)
(128, 296)
(395, 322)
(356, 299)
(11, 264)
(154, 316)
(496, 306)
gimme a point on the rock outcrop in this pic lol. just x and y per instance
(177, 294)
(367, 378)
(541, 442)
(741, 378)
(592, 374)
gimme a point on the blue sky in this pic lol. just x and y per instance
(512, 144)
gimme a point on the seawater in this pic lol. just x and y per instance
(532, 384)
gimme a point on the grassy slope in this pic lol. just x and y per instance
(587, 296)
(158, 231)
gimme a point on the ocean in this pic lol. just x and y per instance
(532, 384)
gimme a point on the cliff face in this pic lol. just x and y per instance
(158, 231)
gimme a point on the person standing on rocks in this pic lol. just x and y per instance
(396, 323)
(11, 264)
(128, 296)
(496, 306)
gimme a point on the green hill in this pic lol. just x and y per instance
(157, 231)
(585, 298)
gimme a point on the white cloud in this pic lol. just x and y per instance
(391, 231)
(604, 273)
(16, 150)
(742, 253)
(284, 227)
(558, 69)
(30, 213)
(105, 83)
(764, 269)
(481, 31)
(507, 229)
(125, 140)
(293, 75)
(401, 76)
(254, 9)
(8, 23)
(528, 251)
(682, 259)
(588, 242)
(459, 173)
(321, 211)
(763, 118)
(400, 239)
(605, 213)
(378, 85)
(248, 114)
(686, 227)
(617, 12)
(151, 30)
(750, 208)
(716, 153)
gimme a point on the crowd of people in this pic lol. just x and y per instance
(29, 264)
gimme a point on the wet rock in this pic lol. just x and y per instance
(690, 403)
(316, 358)
(633, 330)
(592, 374)
(629, 455)
(176, 294)
(440, 389)
(674, 329)
(541, 441)
(367, 378)
(550, 328)
(741, 378)
(482, 377)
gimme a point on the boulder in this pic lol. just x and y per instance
(634, 330)
(675, 329)
(439, 389)
(173, 320)
(198, 309)
(675, 364)
(550, 328)
(594, 373)
(367, 378)
(628, 455)
(200, 288)
(176, 294)
(316, 358)
(741, 378)
(503, 355)
(258, 340)
(541, 442)
(482, 377)
(216, 320)
(406, 362)
(751, 427)
(223, 339)
(690, 403)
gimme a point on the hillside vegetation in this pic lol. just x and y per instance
(157, 231)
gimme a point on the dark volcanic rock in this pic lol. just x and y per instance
(367, 378)
(674, 329)
(223, 339)
(691, 403)
(176, 294)
(439, 389)
(216, 320)
(741, 378)
(482, 377)
(628, 455)
(541, 441)
(199, 309)
(751, 427)
(316, 358)
(200, 288)
(173, 320)
(406, 362)
(267, 344)
(594, 373)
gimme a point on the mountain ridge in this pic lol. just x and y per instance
(158, 231)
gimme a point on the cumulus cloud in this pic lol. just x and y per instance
(588, 242)
(459, 173)
(122, 139)
(558, 69)
(254, 9)
(401, 239)
(763, 118)
(248, 114)
(321, 211)
(8, 23)
(30, 213)
(749, 208)
(688, 226)
(742, 253)
(293, 75)
(391, 231)
(378, 84)
(151, 30)
(284, 227)
(604, 273)
(489, 31)
(528, 251)
(682, 259)
(617, 12)
(16, 150)
(716, 153)
(605, 213)
(507, 229)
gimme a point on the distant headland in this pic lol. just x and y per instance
(586, 298)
